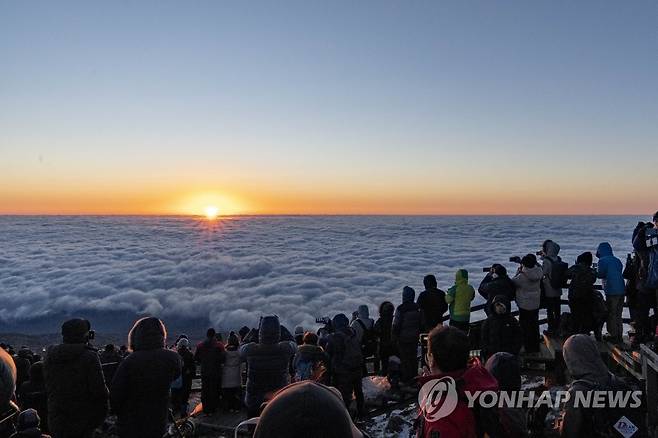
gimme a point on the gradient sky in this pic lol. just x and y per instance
(430, 107)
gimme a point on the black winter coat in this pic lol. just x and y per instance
(433, 306)
(77, 395)
(139, 394)
(500, 333)
(491, 287)
(406, 323)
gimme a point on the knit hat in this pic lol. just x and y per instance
(305, 409)
(585, 259)
(299, 330)
(74, 331)
(28, 419)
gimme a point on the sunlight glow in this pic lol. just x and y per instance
(211, 212)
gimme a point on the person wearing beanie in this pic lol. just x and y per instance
(8, 408)
(28, 425)
(500, 331)
(77, 395)
(299, 335)
(181, 395)
(383, 328)
(32, 394)
(528, 297)
(304, 410)
(363, 327)
(210, 354)
(346, 362)
(581, 295)
(405, 331)
(459, 299)
(432, 304)
(139, 394)
(268, 361)
(231, 374)
(495, 283)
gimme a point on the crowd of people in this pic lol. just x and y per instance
(306, 383)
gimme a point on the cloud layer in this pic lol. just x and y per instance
(228, 273)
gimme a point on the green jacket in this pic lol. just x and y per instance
(459, 297)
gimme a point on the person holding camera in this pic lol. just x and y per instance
(645, 244)
(528, 296)
(77, 395)
(495, 283)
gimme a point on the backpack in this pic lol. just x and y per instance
(613, 422)
(558, 275)
(368, 340)
(304, 370)
(351, 358)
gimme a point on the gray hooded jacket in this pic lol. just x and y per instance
(551, 253)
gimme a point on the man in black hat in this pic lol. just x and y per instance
(77, 395)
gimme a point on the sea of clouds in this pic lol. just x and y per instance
(230, 271)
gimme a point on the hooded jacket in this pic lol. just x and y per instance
(384, 325)
(406, 320)
(459, 297)
(551, 254)
(583, 360)
(343, 337)
(364, 317)
(77, 395)
(461, 422)
(500, 332)
(139, 392)
(528, 287)
(610, 269)
(506, 369)
(268, 361)
(496, 284)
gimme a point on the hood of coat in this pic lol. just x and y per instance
(269, 331)
(340, 321)
(363, 311)
(604, 250)
(535, 273)
(506, 369)
(461, 277)
(500, 302)
(147, 334)
(583, 359)
(551, 249)
(408, 294)
(386, 309)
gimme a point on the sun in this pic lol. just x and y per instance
(211, 212)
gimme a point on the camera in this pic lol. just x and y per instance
(323, 320)
(91, 335)
(539, 253)
(515, 259)
(487, 269)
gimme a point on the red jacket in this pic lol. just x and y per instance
(440, 417)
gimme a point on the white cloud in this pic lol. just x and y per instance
(295, 267)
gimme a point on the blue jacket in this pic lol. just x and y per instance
(610, 270)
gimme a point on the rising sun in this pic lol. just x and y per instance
(211, 212)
